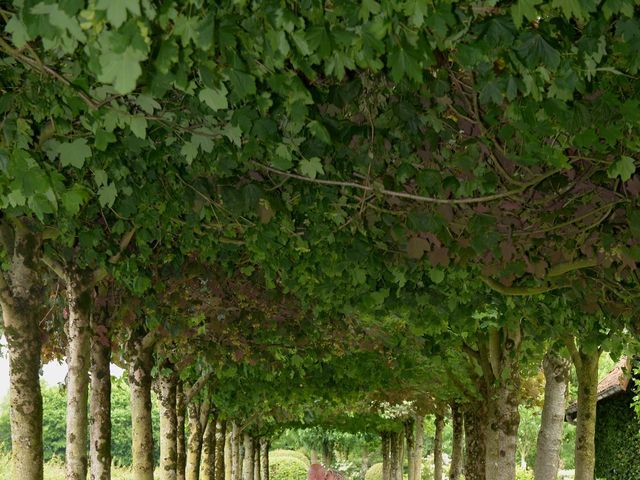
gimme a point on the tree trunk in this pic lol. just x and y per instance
(235, 452)
(140, 364)
(455, 468)
(209, 450)
(100, 421)
(264, 457)
(181, 454)
(437, 448)
(587, 372)
(397, 455)
(385, 441)
(411, 448)
(228, 453)
(220, 450)
(256, 459)
(167, 387)
(419, 446)
(247, 464)
(475, 435)
(22, 301)
(194, 443)
(78, 360)
(556, 374)
(502, 432)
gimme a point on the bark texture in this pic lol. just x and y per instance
(236, 467)
(556, 374)
(167, 387)
(78, 361)
(181, 454)
(419, 435)
(409, 429)
(220, 449)
(587, 372)
(207, 470)
(256, 459)
(474, 434)
(437, 448)
(100, 418)
(264, 459)
(140, 364)
(194, 443)
(22, 300)
(455, 468)
(385, 442)
(248, 461)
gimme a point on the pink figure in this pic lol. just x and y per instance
(316, 472)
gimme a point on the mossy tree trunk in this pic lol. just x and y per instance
(78, 326)
(100, 404)
(409, 429)
(247, 463)
(167, 388)
(475, 437)
(385, 442)
(437, 447)
(455, 468)
(220, 449)
(236, 468)
(181, 453)
(207, 470)
(194, 442)
(256, 459)
(140, 353)
(264, 458)
(586, 363)
(556, 374)
(419, 447)
(228, 452)
(22, 301)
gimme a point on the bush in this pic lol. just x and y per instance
(283, 467)
(374, 472)
(524, 474)
(289, 454)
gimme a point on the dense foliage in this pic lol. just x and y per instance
(617, 439)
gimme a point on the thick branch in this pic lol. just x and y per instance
(55, 266)
(495, 351)
(562, 268)
(124, 243)
(570, 343)
(196, 387)
(519, 291)
(410, 196)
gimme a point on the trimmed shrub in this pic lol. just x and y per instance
(374, 472)
(283, 467)
(296, 454)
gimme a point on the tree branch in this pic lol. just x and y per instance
(409, 196)
(562, 268)
(42, 68)
(196, 387)
(570, 343)
(56, 267)
(124, 243)
(519, 291)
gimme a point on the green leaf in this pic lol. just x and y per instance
(311, 167)
(436, 275)
(74, 198)
(107, 195)
(402, 63)
(242, 84)
(138, 126)
(535, 50)
(74, 153)
(18, 31)
(319, 131)
(624, 167)
(122, 70)
(214, 99)
(524, 9)
(282, 159)
(100, 177)
(117, 10)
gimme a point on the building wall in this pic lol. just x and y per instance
(617, 439)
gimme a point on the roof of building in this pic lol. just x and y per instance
(614, 382)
